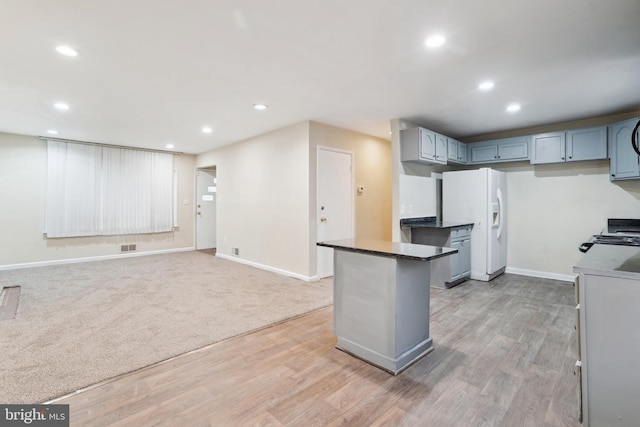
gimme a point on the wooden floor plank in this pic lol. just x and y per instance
(501, 359)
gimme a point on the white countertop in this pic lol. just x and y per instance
(611, 260)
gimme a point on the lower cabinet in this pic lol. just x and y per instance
(454, 269)
(607, 317)
(461, 262)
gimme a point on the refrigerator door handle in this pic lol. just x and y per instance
(500, 213)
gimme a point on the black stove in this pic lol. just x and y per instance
(619, 232)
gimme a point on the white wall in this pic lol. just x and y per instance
(267, 194)
(22, 211)
(263, 199)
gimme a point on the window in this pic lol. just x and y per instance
(97, 190)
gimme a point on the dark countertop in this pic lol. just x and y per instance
(430, 222)
(610, 260)
(390, 249)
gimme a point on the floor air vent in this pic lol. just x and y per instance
(9, 297)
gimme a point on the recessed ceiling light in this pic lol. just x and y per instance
(207, 129)
(169, 145)
(61, 106)
(260, 106)
(67, 51)
(513, 108)
(435, 40)
(52, 132)
(486, 85)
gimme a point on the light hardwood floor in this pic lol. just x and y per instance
(504, 356)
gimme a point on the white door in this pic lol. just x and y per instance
(206, 209)
(335, 203)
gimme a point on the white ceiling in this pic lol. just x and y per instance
(155, 72)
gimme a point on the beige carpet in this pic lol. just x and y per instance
(79, 324)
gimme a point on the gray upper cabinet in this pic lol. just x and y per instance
(624, 160)
(452, 150)
(569, 146)
(423, 145)
(548, 148)
(484, 153)
(500, 150)
(441, 149)
(456, 151)
(418, 144)
(463, 151)
(587, 144)
(513, 149)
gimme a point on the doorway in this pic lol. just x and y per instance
(335, 203)
(206, 195)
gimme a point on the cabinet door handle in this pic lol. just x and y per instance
(561, 158)
(571, 157)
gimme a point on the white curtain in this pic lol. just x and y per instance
(93, 190)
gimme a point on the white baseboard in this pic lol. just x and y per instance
(267, 267)
(541, 274)
(93, 258)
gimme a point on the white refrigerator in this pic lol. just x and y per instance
(479, 196)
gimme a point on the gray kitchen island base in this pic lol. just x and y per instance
(381, 306)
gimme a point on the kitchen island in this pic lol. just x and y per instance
(381, 300)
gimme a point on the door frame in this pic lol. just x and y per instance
(317, 204)
(195, 203)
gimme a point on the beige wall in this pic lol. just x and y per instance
(553, 208)
(267, 194)
(372, 170)
(22, 211)
(263, 198)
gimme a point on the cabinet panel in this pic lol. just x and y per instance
(427, 144)
(624, 160)
(441, 149)
(462, 152)
(464, 257)
(608, 308)
(452, 149)
(517, 150)
(423, 145)
(548, 148)
(456, 151)
(500, 150)
(454, 261)
(484, 154)
(587, 144)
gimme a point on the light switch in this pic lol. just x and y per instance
(185, 202)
